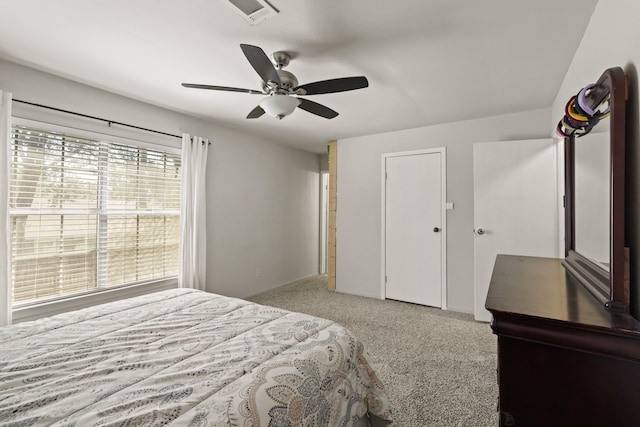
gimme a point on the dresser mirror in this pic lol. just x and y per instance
(591, 196)
(594, 198)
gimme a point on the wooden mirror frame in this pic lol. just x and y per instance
(609, 287)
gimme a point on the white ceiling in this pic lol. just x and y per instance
(427, 61)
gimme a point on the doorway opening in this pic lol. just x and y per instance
(324, 215)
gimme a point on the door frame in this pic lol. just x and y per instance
(443, 208)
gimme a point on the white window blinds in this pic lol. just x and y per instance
(89, 214)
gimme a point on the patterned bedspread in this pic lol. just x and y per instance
(185, 357)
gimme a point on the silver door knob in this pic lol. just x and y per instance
(436, 229)
(479, 231)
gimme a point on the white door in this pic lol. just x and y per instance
(515, 206)
(414, 223)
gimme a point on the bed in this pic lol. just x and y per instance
(186, 357)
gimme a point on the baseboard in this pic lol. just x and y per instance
(280, 285)
(374, 296)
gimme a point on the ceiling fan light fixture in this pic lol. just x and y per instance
(279, 105)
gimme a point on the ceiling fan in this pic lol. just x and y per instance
(280, 86)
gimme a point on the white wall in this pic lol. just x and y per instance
(263, 214)
(610, 40)
(262, 197)
(359, 197)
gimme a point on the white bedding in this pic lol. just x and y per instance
(185, 357)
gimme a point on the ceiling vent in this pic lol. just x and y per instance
(254, 11)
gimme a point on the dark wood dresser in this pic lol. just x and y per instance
(563, 358)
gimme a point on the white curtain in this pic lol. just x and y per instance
(193, 221)
(5, 259)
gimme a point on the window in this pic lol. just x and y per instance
(89, 213)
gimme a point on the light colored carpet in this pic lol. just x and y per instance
(438, 367)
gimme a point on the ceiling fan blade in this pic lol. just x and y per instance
(317, 109)
(255, 113)
(261, 63)
(225, 88)
(333, 85)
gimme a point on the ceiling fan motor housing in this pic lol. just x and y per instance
(287, 81)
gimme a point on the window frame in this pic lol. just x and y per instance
(34, 309)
